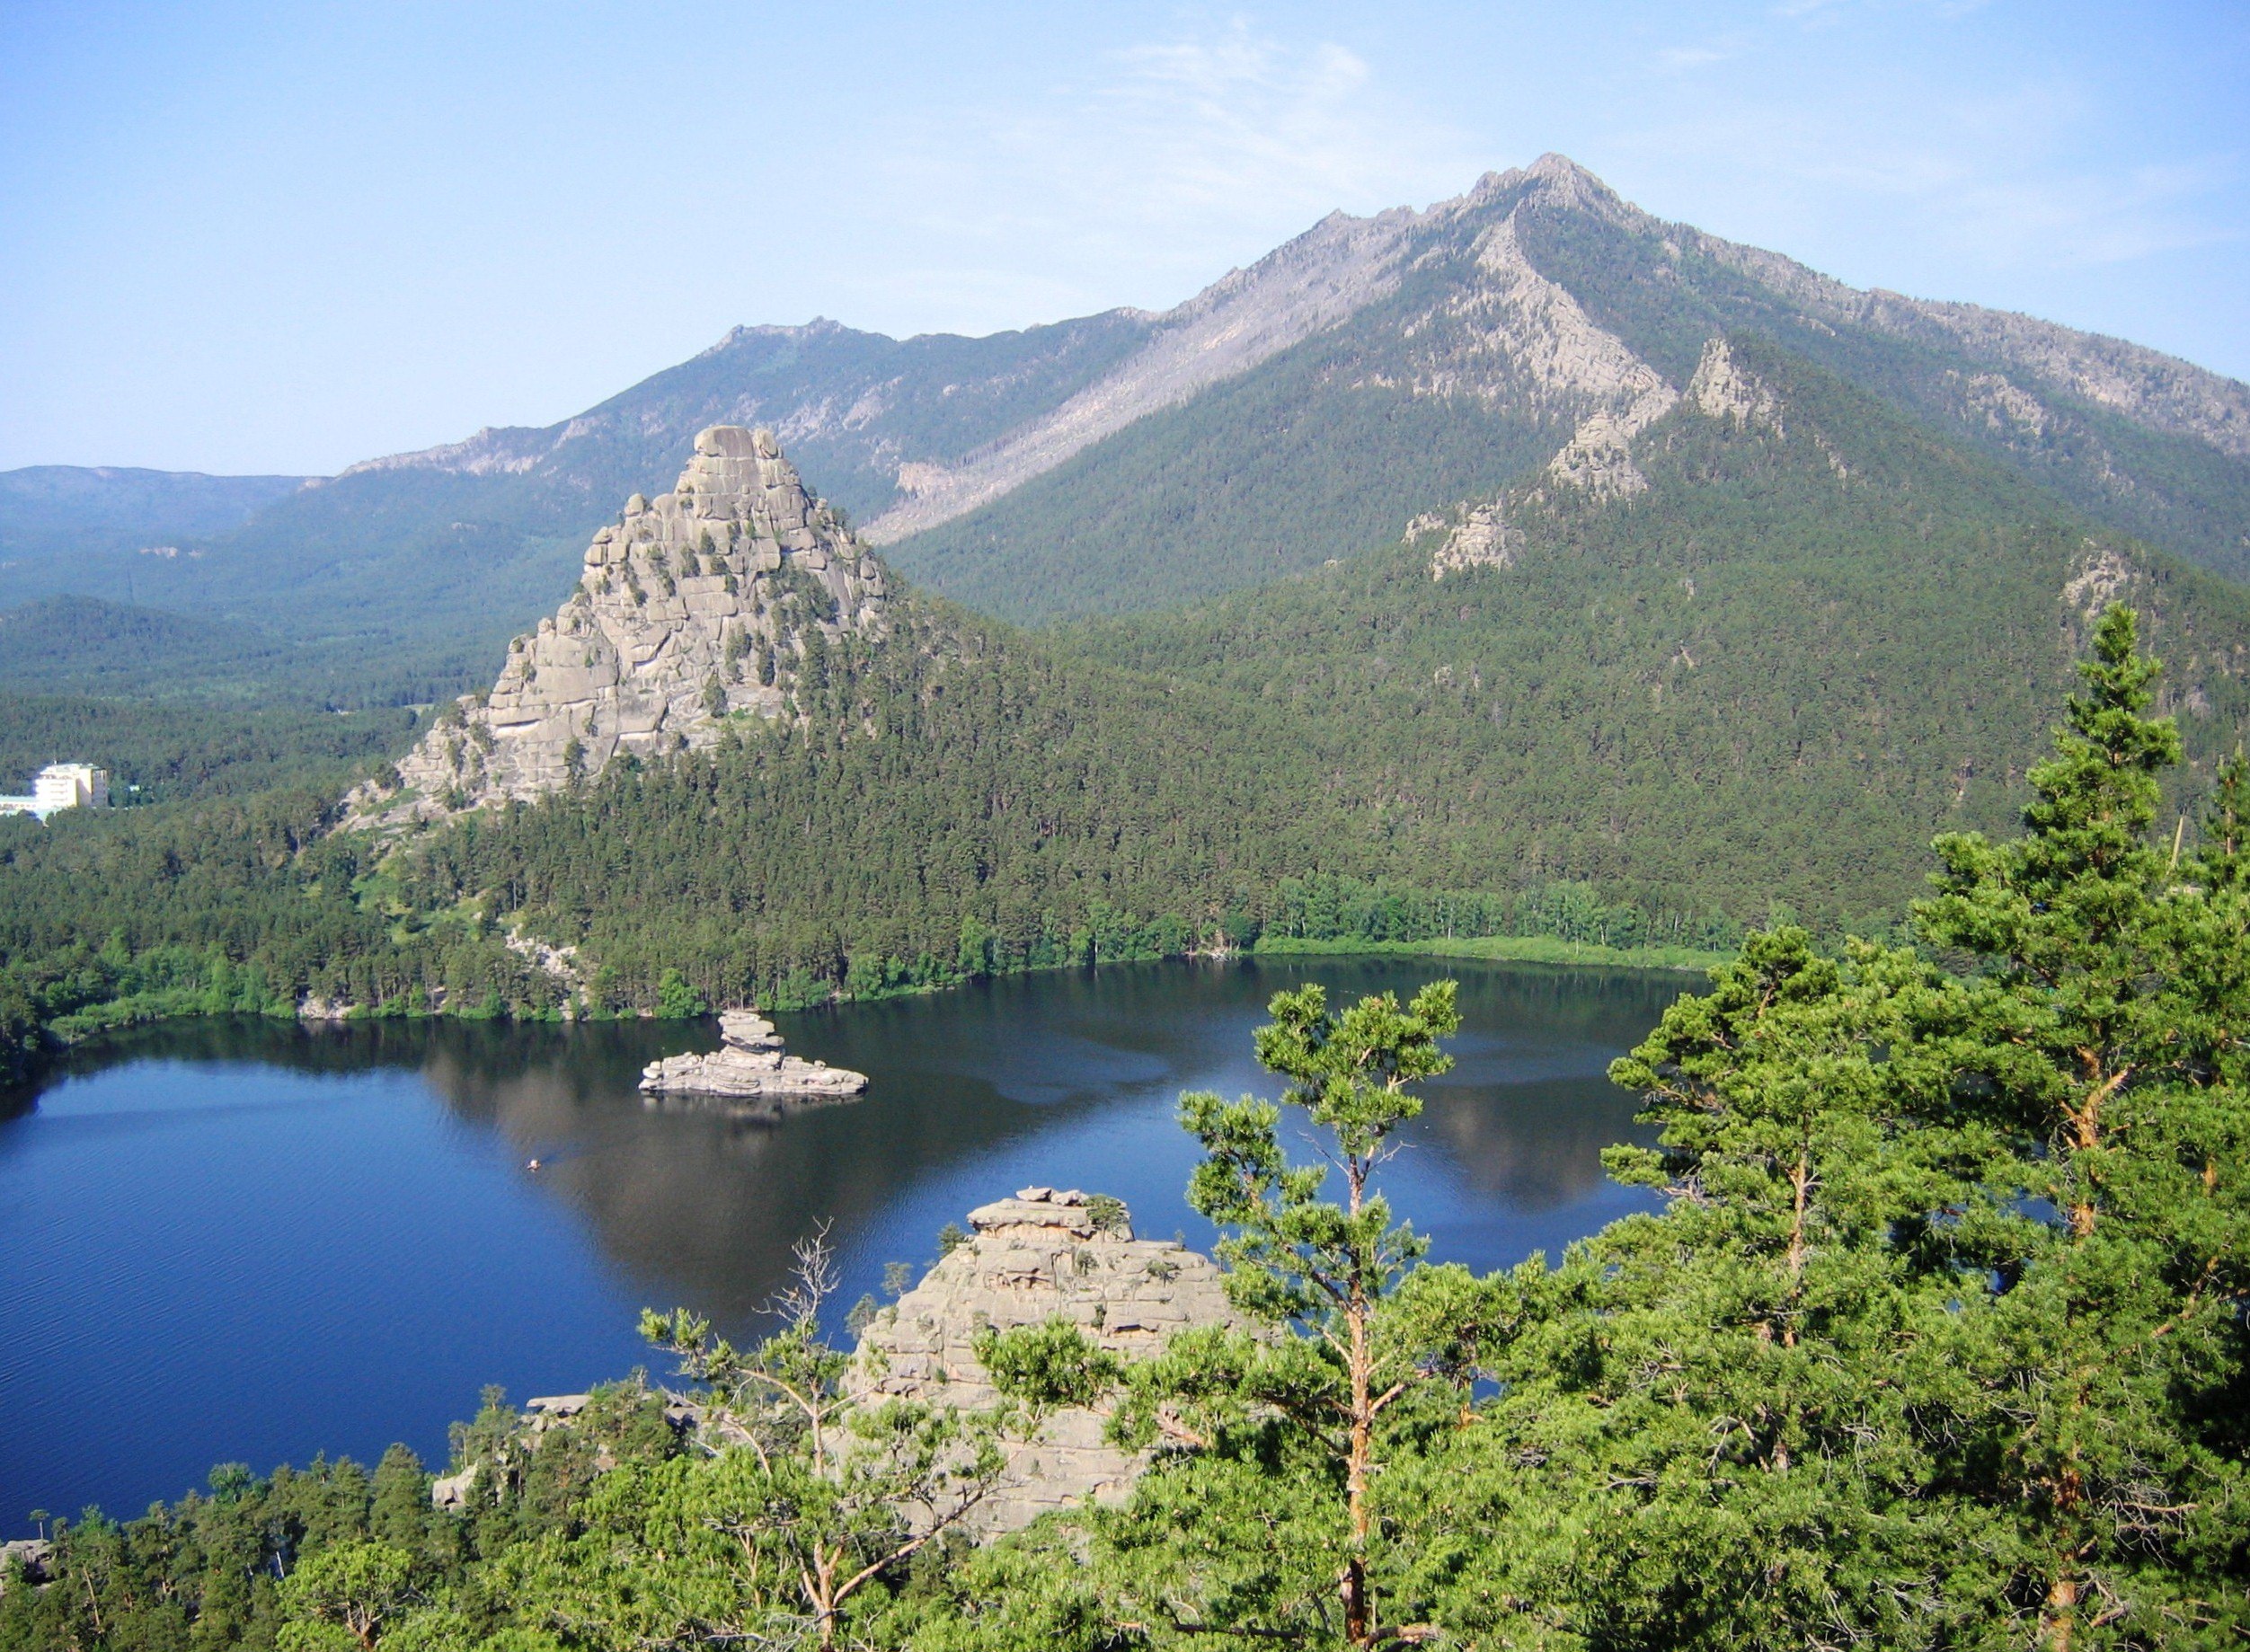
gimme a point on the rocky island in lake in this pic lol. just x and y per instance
(750, 1064)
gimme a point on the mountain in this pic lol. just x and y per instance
(89, 530)
(1370, 371)
(414, 571)
(1762, 650)
(1747, 655)
(1755, 650)
(1540, 310)
(713, 602)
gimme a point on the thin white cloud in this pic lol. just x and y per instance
(1682, 58)
(2001, 178)
(1178, 156)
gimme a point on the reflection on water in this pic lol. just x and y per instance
(237, 1239)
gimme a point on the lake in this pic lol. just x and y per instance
(238, 1240)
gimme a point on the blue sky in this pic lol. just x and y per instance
(242, 238)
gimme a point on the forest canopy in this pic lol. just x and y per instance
(1938, 1341)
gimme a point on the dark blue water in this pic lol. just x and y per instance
(238, 1241)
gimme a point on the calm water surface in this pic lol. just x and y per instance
(227, 1240)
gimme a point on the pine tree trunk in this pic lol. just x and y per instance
(2060, 1616)
(1357, 1617)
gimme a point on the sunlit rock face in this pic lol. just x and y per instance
(702, 605)
(750, 1066)
(1040, 1253)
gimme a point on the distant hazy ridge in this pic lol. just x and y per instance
(1369, 372)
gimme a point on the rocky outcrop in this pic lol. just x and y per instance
(695, 607)
(1722, 388)
(751, 1065)
(1027, 1259)
(456, 1491)
(2102, 577)
(2148, 387)
(1599, 458)
(1479, 539)
(30, 1555)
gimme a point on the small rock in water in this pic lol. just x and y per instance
(751, 1064)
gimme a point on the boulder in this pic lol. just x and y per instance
(1042, 1252)
(31, 1553)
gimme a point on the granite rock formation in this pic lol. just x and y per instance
(32, 1554)
(1598, 459)
(750, 1064)
(458, 1490)
(695, 606)
(1029, 1257)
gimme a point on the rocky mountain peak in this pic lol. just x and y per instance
(1562, 181)
(1553, 181)
(702, 604)
(818, 327)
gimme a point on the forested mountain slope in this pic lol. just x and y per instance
(1813, 641)
(1366, 373)
(1759, 653)
(1810, 637)
(1515, 314)
(51, 516)
(84, 645)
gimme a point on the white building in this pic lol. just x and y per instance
(62, 785)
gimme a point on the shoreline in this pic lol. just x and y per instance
(119, 1015)
(1500, 949)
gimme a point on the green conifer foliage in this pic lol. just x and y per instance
(2103, 1041)
(1937, 1339)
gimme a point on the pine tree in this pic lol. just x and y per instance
(2104, 1042)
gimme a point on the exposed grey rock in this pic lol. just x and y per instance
(539, 1416)
(2009, 412)
(2160, 392)
(750, 1064)
(1599, 457)
(1246, 317)
(558, 962)
(1479, 540)
(695, 606)
(2103, 575)
(1722, 388)
(1029, 1257)
(1526, 339)
(32, 1553)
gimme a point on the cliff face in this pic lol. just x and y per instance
(697, 606)
(1029, 1257)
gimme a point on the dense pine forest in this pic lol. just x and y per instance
(1828, 706)
(1749, 692)
(1938, 1340)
